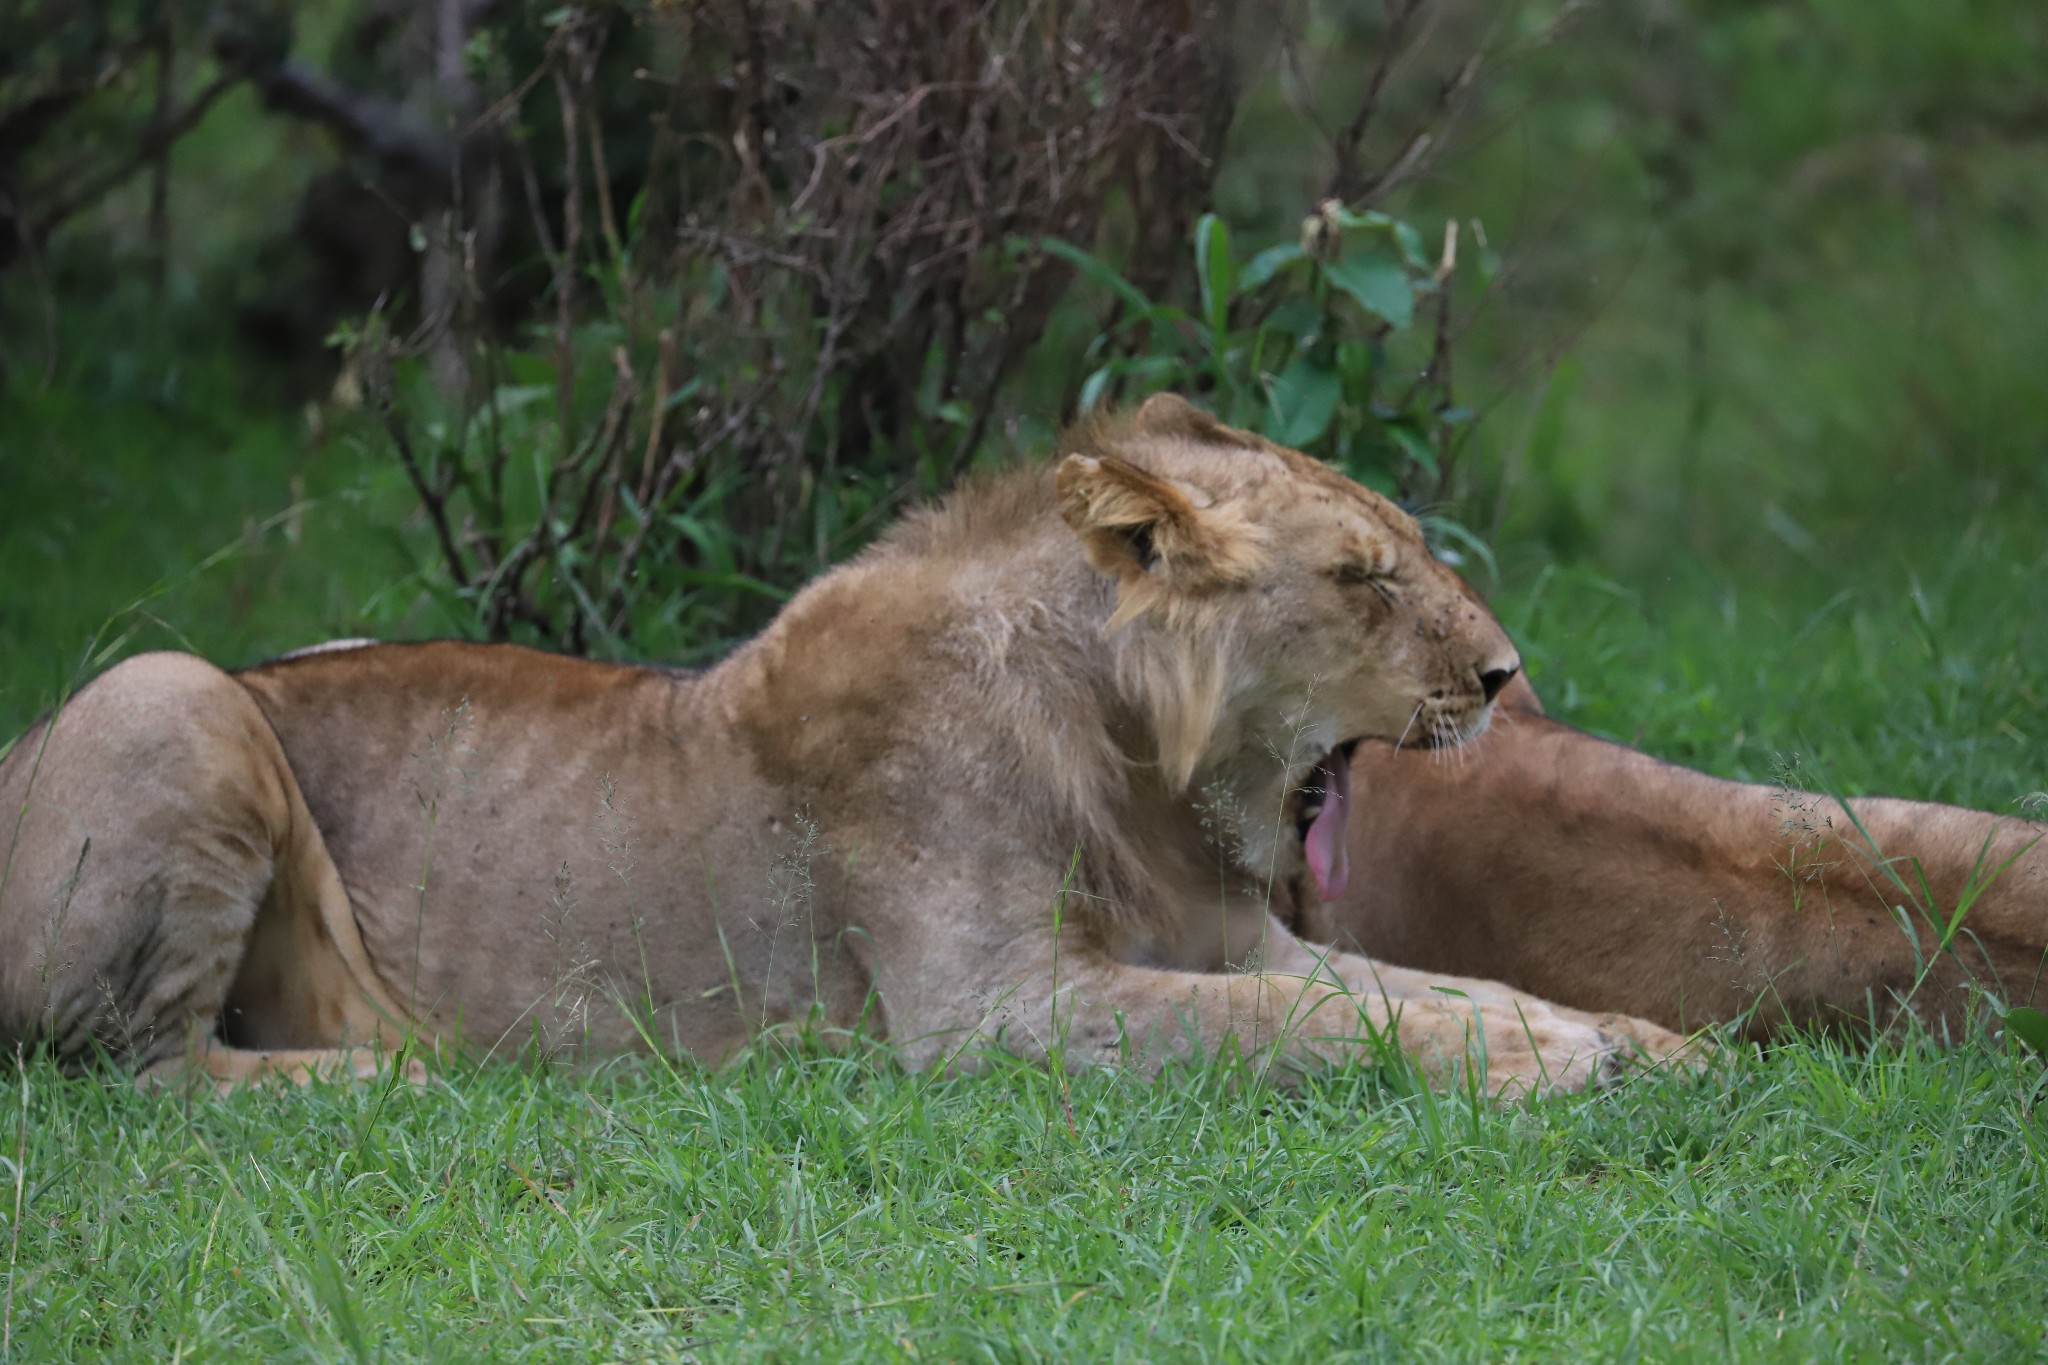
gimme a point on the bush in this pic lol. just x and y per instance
(805, 314)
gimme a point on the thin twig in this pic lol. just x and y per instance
(1440, 360)
(565, 263)
(160, 173)
(434, 500)
(1392, 45)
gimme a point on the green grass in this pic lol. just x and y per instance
(1906, 661)
(1813, 1205)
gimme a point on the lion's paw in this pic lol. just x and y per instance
(1526, 1048)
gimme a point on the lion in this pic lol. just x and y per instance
(1594, 875)
(1032, 769)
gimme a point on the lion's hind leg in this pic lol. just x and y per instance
(143, 832)
(229, 1068)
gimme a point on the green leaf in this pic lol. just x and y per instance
(1092, 387)
(698, 578)
(1302, 398)
(1410, 242)
(1413, 445)
(1297, 318)
(2030, 1026)
(1147, 373)
(1378, 282)
(1212, 268)
(510, 398)
(1374, 477)
(687, 391)
(1371, 218)
(1267, 264)
(1099, 272)
(1489, 259)
(1448, 538)
(1354, 362)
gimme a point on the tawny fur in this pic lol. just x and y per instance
(1595, 875)
(1083, 695)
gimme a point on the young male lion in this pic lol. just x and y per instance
(1032, 766)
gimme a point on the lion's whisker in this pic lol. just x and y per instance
(1413, 716)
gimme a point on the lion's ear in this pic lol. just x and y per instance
(1167, 410)
(1174, 417)
(1133, 523)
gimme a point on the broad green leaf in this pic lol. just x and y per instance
(1354, 362)
(1373, 476)
(1212, 267)
(1297, 318)
(1302, 399)
(1267, 264)
(1378, 282)
(510, 398)
(2030, 1026)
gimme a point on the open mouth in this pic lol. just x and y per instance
(1325, 804)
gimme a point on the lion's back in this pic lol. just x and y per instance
(371, 722)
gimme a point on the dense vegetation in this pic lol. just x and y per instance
(1742, 428)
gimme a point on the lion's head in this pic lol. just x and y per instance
(1271, 614)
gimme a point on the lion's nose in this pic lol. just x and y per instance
(1492, 680)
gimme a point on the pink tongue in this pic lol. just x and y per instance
(1329, 861)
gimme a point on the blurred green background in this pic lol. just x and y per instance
(1758, 422)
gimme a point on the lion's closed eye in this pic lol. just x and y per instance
(1358, 573)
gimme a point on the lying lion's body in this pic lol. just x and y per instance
(874, 813)
(1592, 874)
